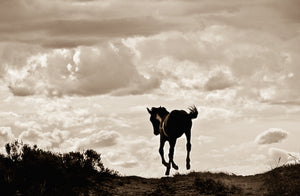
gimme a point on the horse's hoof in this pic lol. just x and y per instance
(167, 173)
(175, 167)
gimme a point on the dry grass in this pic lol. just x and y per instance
(284, 180)
(280, 181)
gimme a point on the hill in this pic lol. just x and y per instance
(280, 181)
(26, 170)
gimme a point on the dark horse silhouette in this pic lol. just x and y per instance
(171, 126)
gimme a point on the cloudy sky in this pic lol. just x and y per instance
(79, 74)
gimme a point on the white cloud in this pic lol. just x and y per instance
(84, 71)
(278, 157)
(121, 158)
(127, 164)
(62, 113)
(52, 139)
(256, 68)
(28, 124)
(219, 79)
(213, 113)
(272, 135)
(205, 139)
(96, 140)
(132, 155)
(8, 115)
(6, 135)
(88, 130)
(243, 158)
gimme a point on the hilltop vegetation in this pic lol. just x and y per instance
(26, 170)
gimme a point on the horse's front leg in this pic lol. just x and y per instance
(161, 150)
(171, 155)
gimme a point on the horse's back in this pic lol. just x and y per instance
(179, 115)
(179, 122)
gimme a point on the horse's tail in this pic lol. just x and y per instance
(193, 112)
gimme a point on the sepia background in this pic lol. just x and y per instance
(79, 74)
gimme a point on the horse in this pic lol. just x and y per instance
(171, 126)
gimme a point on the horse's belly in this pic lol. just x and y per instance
(175, 133)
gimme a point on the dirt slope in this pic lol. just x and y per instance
(281, 181)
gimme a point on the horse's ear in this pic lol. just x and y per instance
(149, 110)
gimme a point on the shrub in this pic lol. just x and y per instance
(29, 170)
(210, 186)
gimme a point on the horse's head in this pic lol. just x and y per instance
(154, 120)
(156, 115)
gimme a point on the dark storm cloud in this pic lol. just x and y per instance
(218, 80)
(234, 34)
(69, 23)
(51, 23)
(21, 90)
(285, 102)
(81, 32)
(121, 27)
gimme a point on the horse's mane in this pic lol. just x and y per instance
(162, 111)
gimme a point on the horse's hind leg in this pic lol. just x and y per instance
(188, 148)
(172, 147)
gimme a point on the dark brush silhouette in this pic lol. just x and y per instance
(171, 126)
(27, 170)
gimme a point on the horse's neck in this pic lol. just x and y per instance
(163, 124)
(162, 117)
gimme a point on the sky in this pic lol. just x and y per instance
(79, 74)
